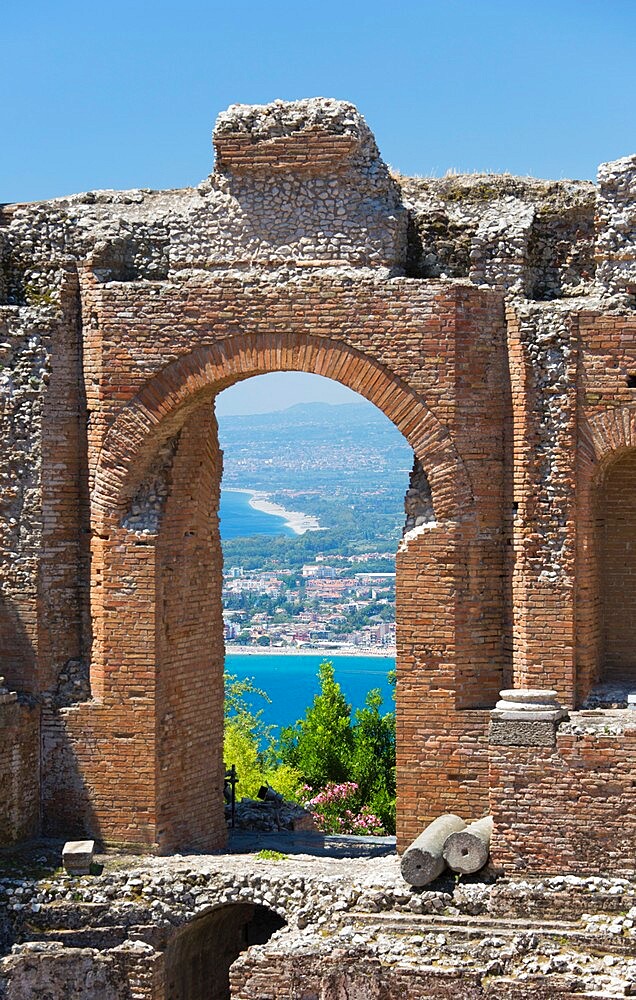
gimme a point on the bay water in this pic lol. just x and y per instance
(291, 681)
(239, 520)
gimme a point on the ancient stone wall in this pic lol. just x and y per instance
(616, 225)
(171, 927)
(40, 481)
(529, 237)
(267, 976)
(491, 318)
(132, 972)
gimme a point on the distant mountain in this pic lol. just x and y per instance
(315, 415)
(315, 445)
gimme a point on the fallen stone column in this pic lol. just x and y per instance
(422, 861)
(467, 850)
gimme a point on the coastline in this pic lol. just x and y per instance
(295, 520)
(325, 652)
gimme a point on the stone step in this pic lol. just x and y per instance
(570, 903)
(85, 937)
(460, 929)
(69, 917)
(485, 923)
(64, 915)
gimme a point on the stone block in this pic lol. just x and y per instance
(522, 733)
(77, 856)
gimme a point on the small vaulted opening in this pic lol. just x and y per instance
(199, 956)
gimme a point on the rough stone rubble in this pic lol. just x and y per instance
(578, 931)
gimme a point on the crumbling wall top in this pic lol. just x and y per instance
(616, 225)
(301, 184)
(318, 135)
(284, 118)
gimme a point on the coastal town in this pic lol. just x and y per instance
(331, 605)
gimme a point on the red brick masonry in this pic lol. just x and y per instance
(123, 316)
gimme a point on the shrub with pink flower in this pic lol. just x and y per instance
(336, 809)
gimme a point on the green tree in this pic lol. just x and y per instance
(239, 708)
(249, 743)
(373, 759)
(320, 745)
(246, 738)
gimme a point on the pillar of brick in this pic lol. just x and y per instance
(142, 763)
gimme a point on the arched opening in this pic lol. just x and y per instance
(199, 955)
(616, 514)
(154, 760)
(309, 576)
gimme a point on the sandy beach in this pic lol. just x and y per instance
(298, 522)
(324, 651)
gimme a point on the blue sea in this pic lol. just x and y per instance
(239, 520)
(291, 681)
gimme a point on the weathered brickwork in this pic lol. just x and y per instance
(331, 976)
(616, 513)
(490, 318)
(569, 807)
(80, 973)
(19, 772)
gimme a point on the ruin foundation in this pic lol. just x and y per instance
(491, 318)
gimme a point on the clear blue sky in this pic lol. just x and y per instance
(124, 94)
(265, 393)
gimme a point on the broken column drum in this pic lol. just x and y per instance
(466, 851)
(423, 861)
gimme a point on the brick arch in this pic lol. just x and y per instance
(200, 951)
(604, 438)
(164, 402)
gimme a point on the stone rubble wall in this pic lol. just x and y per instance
(331, 201)
(616, 226)
(40, 484)
(534, 239)
(25, 353)
(352, 925)
(81, 973)
(331, 975)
